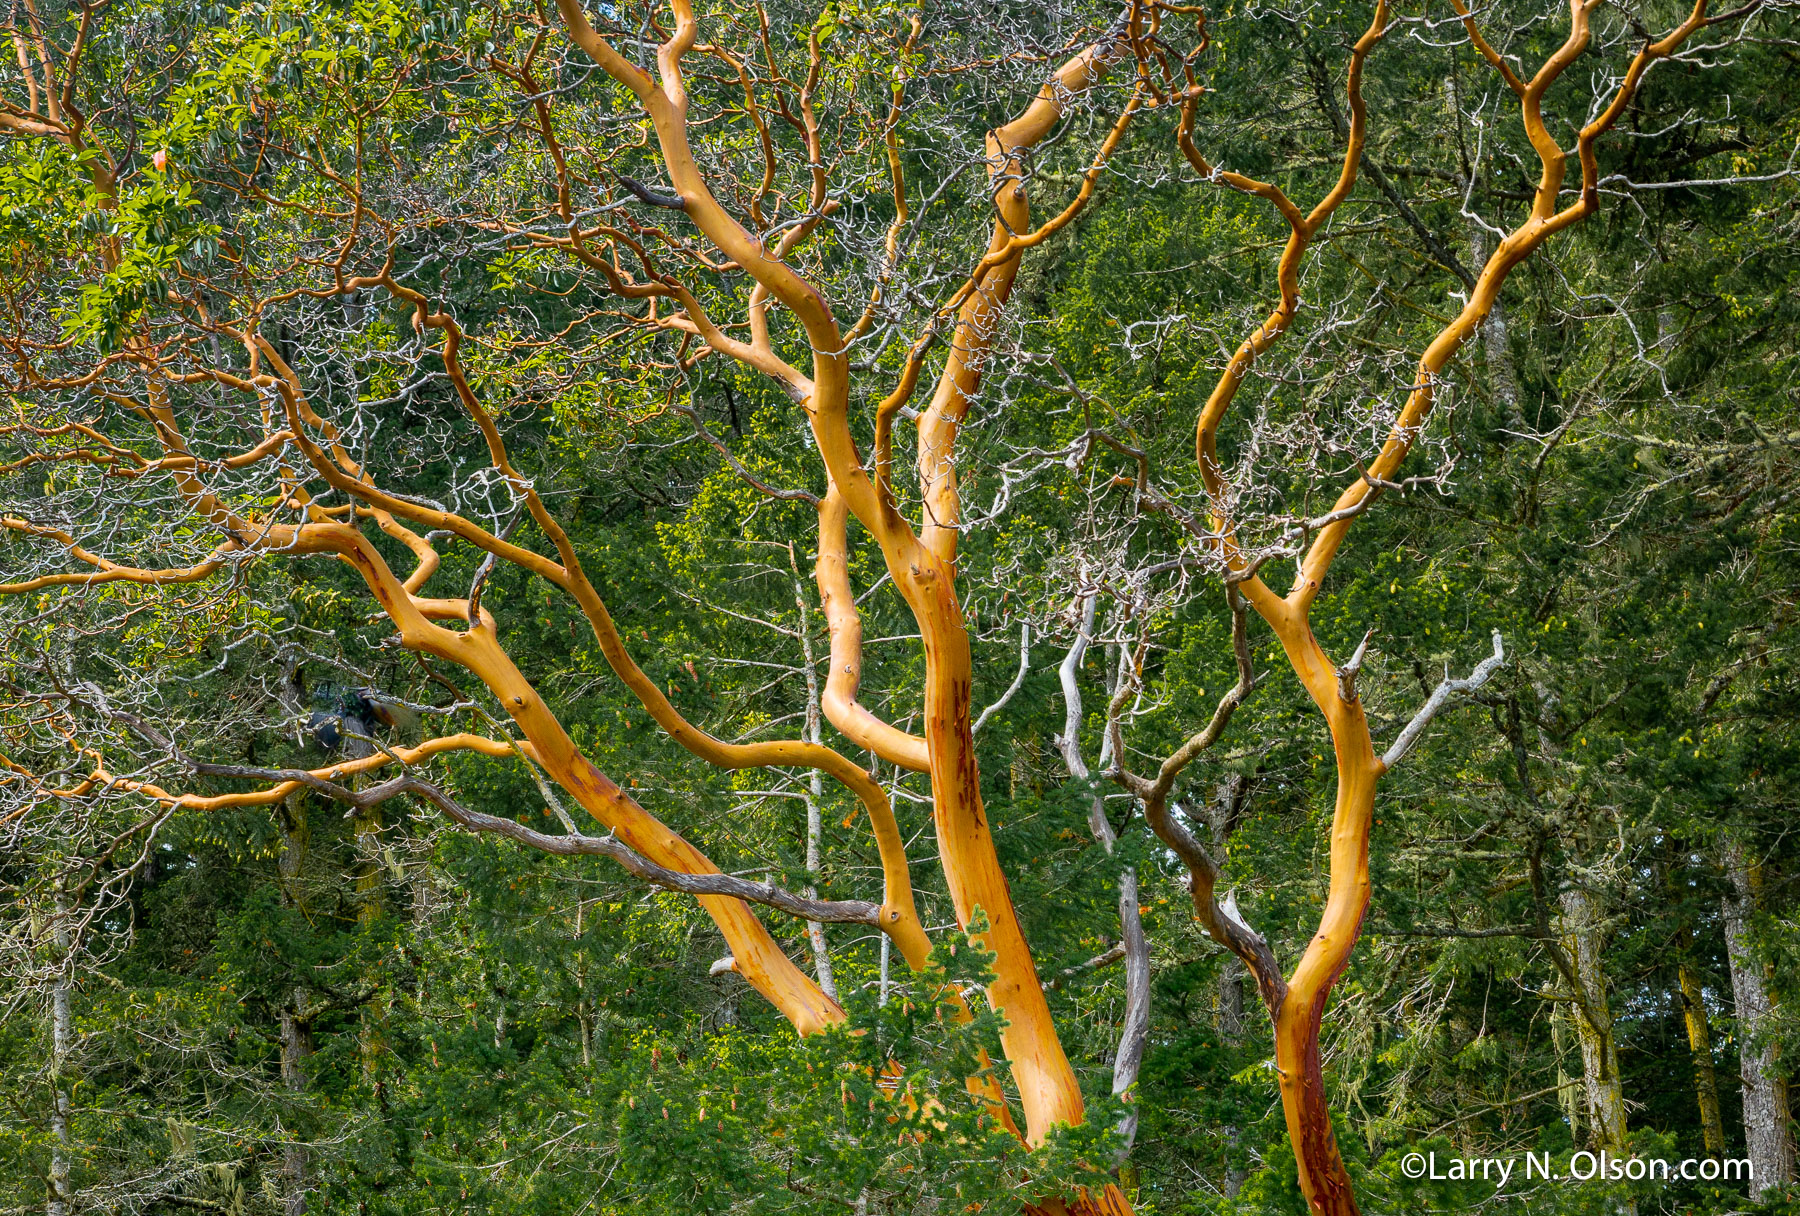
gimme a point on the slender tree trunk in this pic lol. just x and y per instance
(1496, 343)
(1130, 1057)
(1706, 1081)
(1767, 1135)
(815, 932)
(369, 907)
(296, 1046)
(1228, 805)
(1583, 941)
(62, 1042)
(1229, 1022)
(584, 1008)
(1136, 1029)
(296, 1033)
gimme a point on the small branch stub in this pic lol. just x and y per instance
(1346, 675)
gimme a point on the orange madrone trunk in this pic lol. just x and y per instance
(922, 566)
(1297, 1004)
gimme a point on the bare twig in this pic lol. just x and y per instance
(1440, 696)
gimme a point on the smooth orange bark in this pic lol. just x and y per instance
(1048, 1090)
(1299, 1012)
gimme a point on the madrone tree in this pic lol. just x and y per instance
(243, 347)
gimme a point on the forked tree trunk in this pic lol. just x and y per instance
(1323, 1178)
(1767, 1135)
(923, 571)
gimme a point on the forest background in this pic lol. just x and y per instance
(302, 905)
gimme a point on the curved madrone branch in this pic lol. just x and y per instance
(645, 847)
(478, 650)
(1303, 227)
(1298, 1006)
(977, 306)
(51, 74)
(922, 566)
(1204, 871)
(281, 783)
(898, 915)
(843, 678)
(800, 1001)
(761, 960)
(987, 291)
